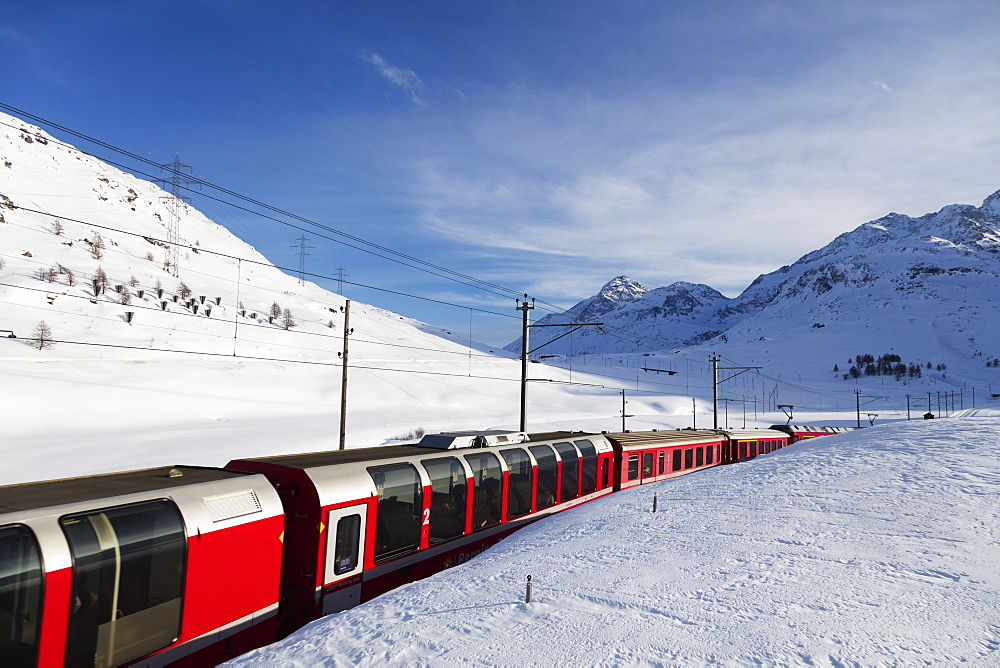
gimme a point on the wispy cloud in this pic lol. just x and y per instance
(405, 79)
(713, 185)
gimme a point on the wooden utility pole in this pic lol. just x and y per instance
(343, 385)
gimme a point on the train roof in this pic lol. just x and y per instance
(633, 439)
(360, 455)
(802, 429)
(752, 434)
(50, 493)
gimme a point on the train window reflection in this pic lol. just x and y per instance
(519, 479)
(545, 495)
(128, 581)
(20, 596)
(400, 504)
(448, 499)
(633, 467)
(487, 493)
(570, 488)
(347, 547)
(588, 476)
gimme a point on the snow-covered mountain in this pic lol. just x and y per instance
(674, 315)
(923, 287)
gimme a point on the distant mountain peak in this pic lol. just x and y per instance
(622, 288)
(991, 207)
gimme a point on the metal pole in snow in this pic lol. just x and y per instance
(527, 593)
(654, 502)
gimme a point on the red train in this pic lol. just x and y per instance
(190, 566)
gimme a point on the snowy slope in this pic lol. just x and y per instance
(179, 386)
(877, 547)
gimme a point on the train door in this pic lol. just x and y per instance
(344, 558)
(647, 466)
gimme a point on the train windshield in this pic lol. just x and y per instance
(128, 581)
(20, 596)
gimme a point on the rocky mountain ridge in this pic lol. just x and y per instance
(880, 276)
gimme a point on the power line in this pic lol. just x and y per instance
(250, 200)
(267, 264)
(550, 307)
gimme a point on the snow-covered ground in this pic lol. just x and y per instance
(876, 547)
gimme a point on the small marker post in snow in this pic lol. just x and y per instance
(654, 502)
(527, 593)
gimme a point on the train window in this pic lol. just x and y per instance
(743, 450)
(448, 506)
(677, 460)
(128, 582)
(487, 478)
(663, 462)
(20, 596)
(519, 479)
(605, 473)
(570, 488)
(753, 448)
(689, 458)
(710, 454)
(400, 504)
(633, 467)
(588, 475)
(699, 456)
(647, 465)
(545, 495)
(347, 547)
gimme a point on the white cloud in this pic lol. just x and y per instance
(715, 185)
(882, 86)
(405, 79)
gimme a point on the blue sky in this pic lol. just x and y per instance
(543, 146)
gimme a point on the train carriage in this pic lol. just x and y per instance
(743, 444)
(648, 456)
(364, 521)
(801, 432)
(167, 566)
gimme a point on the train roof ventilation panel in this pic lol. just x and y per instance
(454, 440)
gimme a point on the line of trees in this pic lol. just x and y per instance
(888, 364)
